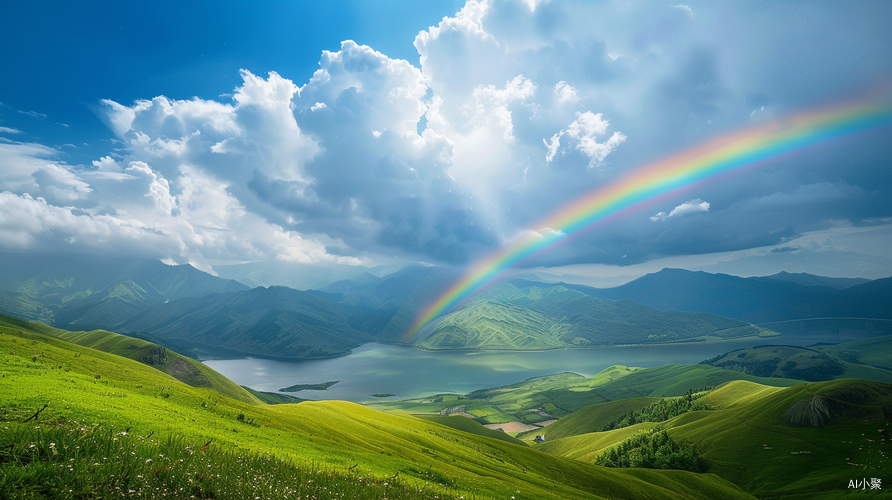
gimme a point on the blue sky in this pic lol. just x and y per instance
(68, 56)
(369, 133)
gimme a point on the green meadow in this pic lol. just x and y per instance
(561, 395)
(100, 415)
(761, 438)
(775, 437)
(109, 426)
(812, 364)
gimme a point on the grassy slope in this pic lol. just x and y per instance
(65, 463)
(275, 321)
(562, 394)
(180, 367)
(273, 398)
(467, 425)
(875, 352)
(733, 437)
(593, 418)
(83, 386)
(509, 317)
(489, 324)
(809, 363)
(22, 305)
(745, 424)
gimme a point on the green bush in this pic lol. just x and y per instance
(654, 449)
(661, 411)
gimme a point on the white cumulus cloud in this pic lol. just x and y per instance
(565, 93)
(687, 208)
(583, 133)
(497, 126)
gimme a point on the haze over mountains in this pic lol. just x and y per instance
(86, 292)
(757, 300)
(189, 308)
(550, 316)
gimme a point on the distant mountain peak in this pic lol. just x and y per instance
(806, 279)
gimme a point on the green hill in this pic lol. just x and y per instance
(593, 418)
(22, 306)
(875, 352)
(114, 409)
(548, 317)
(180, 367)
(805, 441)
(488, 324)
(558, 396)
(571, 392)
(274, 321)
(467, 425)
(807, 363)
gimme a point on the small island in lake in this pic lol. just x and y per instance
(383, 395)
(309, 387)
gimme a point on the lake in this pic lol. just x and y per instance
(407, 372)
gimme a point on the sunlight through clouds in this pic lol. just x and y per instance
(510, 109)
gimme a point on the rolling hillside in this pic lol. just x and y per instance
(490, 324)
(274, 321)
(875, 352)
(548, 317)
(812, 364)
(543, 399)
(593, 418)
(180, 367)
(119, 408)
(805, 441)
(759, 362)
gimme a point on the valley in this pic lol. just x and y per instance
(194, 312)
(101, 399)
(464, 250)
(526, 389)
(408, 372)
(435, 446)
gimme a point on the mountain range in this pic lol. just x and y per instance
(780, 297)
(184, 308)
(553, 316)
(85, 292)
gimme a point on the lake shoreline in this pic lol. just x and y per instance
(693, 341)
(378, 368)
(243, 355)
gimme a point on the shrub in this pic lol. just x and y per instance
(654, 449)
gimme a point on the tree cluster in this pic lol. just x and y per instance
(662, 410)
(654, 449)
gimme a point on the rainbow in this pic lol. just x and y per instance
(751, 147)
